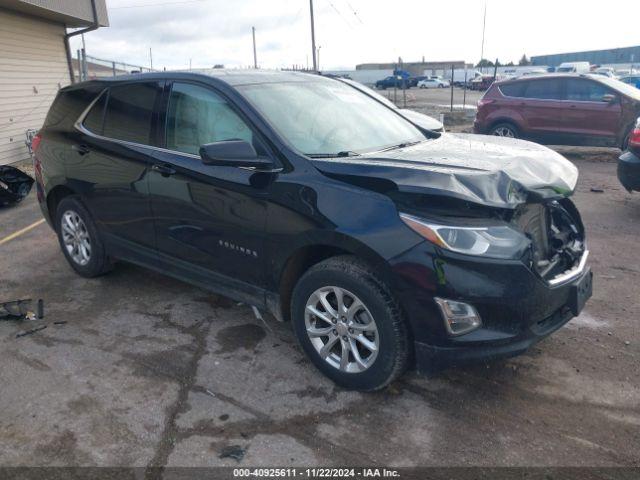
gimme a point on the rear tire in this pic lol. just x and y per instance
(79, 238)
(361, 318)
(505, 129)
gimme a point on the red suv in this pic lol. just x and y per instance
(561, 110)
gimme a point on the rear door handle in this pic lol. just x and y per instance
(81, 149)
(163, 169)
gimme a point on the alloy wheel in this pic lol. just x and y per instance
(75, 237)
(504, 132)
(341, 329)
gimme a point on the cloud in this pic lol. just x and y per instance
(219, 31)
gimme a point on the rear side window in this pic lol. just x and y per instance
(93, 120)
(513, 89)
(198, 116)
(580, 90)
(548, 89)
(129, 112)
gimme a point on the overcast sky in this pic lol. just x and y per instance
(355, 31)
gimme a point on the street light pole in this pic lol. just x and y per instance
(255, 57)
(313, 37)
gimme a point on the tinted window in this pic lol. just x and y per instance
(548, 89)
(513, 89)
(585, 91)
(198, 116)
(93, 120)
(129, 112)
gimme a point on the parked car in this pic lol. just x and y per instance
(381, 242)
(393, 82)
(433, 83)
(629, 162)
(633, 80)
(482, 83)
(419, 119)
(574, 67)
(561, 109)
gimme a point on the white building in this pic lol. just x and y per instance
(35, 62)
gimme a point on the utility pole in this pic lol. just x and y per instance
(255, 57)
(313, 37)
(319, 47)
(484, 26)
(150, 58)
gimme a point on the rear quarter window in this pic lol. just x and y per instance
(69, 105)
(94, 119)
(513, 89)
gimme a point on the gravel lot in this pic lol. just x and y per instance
(149, 371)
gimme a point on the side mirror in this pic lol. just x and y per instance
(609, 98)
(233, 153)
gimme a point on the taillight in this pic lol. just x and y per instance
(485, 101)
(634, 139)
(37, 167)
(35, 142)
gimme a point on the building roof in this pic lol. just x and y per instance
(72, 13)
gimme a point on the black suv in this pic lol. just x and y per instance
(386, 245)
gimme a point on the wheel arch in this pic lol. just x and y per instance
(306, 256)
(55, 196)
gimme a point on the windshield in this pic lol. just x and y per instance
(329, 118)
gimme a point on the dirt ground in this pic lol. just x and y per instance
(149, 371)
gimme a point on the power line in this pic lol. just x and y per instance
(355, 14)
(338, 12)
(157, 4)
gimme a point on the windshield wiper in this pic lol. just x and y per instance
(344, 153)
(400, 145)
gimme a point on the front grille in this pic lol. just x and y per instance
(556, 236)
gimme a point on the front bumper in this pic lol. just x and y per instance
(629, 171)
(517, 307)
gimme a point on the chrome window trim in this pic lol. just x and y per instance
(79, 125)
(571, 274)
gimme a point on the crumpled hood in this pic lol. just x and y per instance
(486, 170)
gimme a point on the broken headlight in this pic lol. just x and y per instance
(494, 241)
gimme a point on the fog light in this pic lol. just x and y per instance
(459, 317)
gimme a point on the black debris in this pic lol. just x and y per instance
(61, 322)
(15, 185)
(233, 451)
(597, 190)
(40, 309)
(29, 332)
(15, 309)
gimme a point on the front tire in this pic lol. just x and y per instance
(349, 324)
(79, 238)
(504, 129)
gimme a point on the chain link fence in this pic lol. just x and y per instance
(87, 67)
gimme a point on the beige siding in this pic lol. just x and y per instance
(33, 66)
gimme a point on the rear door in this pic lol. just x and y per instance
(111, 159)
(542, 107)
(209, 220)
(590, 118)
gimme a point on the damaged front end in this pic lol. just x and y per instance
(15, 185)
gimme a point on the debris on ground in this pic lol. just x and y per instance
(29, 332)
(20, 310)
(597, 190)
(233, 451)
(15, 185)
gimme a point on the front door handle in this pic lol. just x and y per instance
(163, 169)
(81, 149)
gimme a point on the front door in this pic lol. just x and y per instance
(589, 117)
(209, 220)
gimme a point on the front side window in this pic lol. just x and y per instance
(548, 89)
(579, 90)
(326, 118)
(198, 116)
(129, 112)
